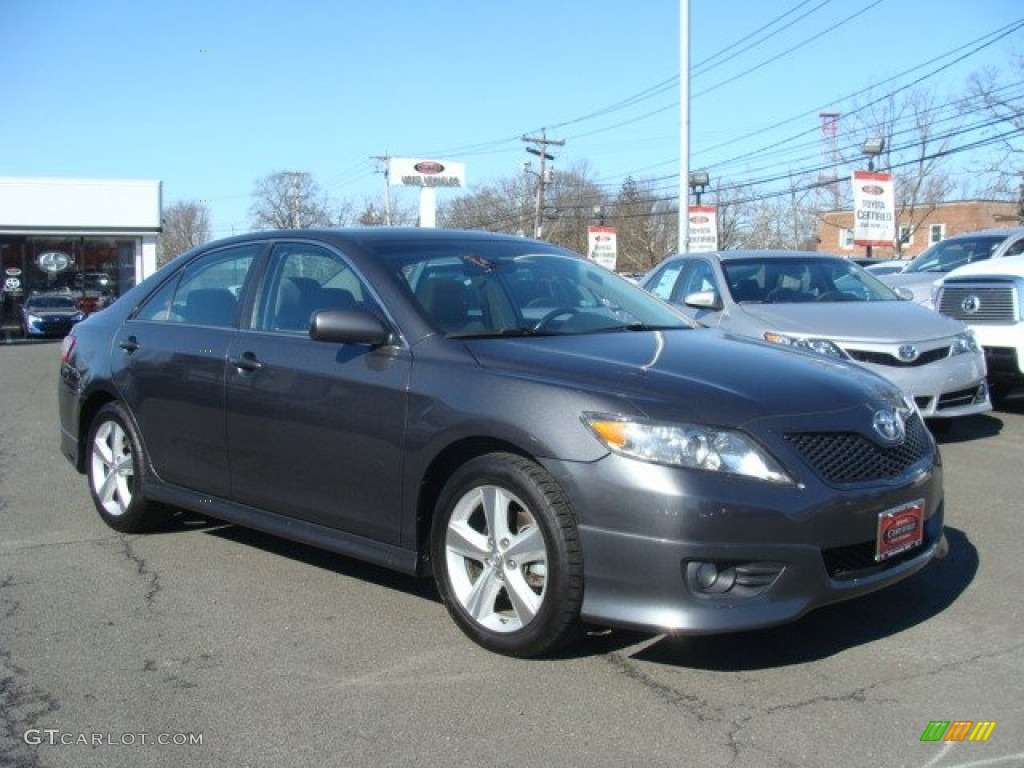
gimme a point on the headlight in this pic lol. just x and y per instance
(694, 446)
(33, 318)
(78, 317)
(821, 346)
(964, 343)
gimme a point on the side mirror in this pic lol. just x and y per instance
(703, 300)
(349, 326)
(904, 293)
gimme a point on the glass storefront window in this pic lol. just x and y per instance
(94, 270)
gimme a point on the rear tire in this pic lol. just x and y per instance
(507, 558)
(115, 465)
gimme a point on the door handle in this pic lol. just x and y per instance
(247, 362)
(129, 345)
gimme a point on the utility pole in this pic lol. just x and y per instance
(386, 160)
(293, 200)
(545, 176)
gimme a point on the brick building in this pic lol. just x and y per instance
(928, 225)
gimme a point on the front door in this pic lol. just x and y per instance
(315, 429)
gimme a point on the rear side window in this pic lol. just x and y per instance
(206, 292)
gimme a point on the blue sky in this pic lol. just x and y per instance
(209, 96)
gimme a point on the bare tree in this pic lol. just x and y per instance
(185, 225)
(916, 150)
(503, 206)
(998, 97)
(289, 200)
(569, 204)
(646, 226)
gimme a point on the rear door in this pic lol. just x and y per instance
(173, 354)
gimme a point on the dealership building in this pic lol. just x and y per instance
(77, 235)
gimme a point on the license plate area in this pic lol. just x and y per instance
(899, 529)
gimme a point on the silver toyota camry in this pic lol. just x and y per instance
(829, 305)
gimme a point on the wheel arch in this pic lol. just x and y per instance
(91, 405)
(439, 470)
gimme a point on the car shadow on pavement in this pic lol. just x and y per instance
(834, 628)
(967, 428)
(820, 634)
(318, 558)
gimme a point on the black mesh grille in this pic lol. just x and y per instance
(883, 358)
(847, 457)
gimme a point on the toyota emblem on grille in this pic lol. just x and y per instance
(890, 426)
(907, 352)
(970, 304)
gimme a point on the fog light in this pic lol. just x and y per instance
(710, 578)
(982, 394)
(707, 575)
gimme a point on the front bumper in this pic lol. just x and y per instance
(954, 386)
(47, 328)
(643, 528)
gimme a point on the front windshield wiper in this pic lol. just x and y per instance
(638, 326)
(498, 333)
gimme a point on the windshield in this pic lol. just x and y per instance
(947, 255)
(796, 280)
(510, 288)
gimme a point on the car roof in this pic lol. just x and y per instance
(752, 253)
(1004, 231)
(359, 235)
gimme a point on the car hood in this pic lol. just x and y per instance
(920, 283)
(724, 379)
(1012, 266)
(886, 321)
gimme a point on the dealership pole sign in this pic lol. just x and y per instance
(602, 246)
(874, 209)
(428, 175)
(410, 172)
(703, 230)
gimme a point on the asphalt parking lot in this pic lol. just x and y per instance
(212, 645)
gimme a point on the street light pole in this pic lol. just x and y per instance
(872, 148)
(699, 180)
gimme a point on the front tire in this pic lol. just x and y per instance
(114, 466)
(506, 556)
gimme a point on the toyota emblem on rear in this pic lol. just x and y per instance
(889, 426)
(970, 304)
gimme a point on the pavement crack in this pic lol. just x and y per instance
(694, 705)
(142, 568)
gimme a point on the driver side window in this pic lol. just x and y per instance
(304, 279)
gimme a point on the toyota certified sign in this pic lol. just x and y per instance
(703, 229)
(874, 209)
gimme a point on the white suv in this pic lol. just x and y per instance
(920, 274)
(989, 297)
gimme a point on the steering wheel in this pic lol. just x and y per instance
(542, 324)
(835, 296)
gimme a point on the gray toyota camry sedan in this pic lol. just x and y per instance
(554, 445)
